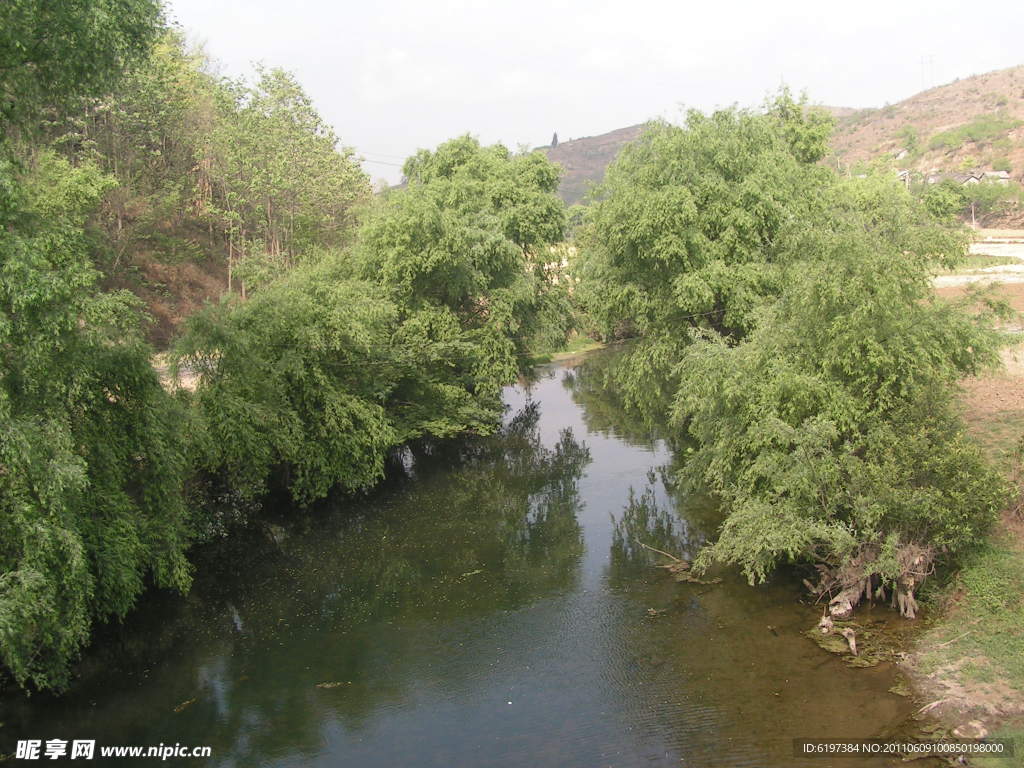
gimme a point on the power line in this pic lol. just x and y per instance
(382, 154)
(382, 162)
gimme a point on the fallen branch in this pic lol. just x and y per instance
(930, 707)
(660, 552)
(950, 642)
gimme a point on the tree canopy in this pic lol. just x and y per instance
(693, 227)
(91, 462)
(462, 252)
(788, 327)
(53, 52)
(410, 336)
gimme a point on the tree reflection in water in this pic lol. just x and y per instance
(363, 593)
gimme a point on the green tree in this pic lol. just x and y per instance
(91, 465)
(944, 200)
(54, 52)
(280, 183)
(293, 382)
(788, 326)
(807, 129)
(830, 433)
(411, 336)
(461, 252)
(147, 132)
(693, 227)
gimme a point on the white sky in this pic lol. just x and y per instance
(402, 74)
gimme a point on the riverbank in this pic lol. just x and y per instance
(575, 346)
(967, 665)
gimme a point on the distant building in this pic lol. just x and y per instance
(1000, 177)
(964, 179)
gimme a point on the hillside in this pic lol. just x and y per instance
(974, 123)
(584, 160)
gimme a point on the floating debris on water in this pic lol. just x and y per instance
(184, 704)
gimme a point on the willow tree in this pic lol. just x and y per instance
(314, 379)
(831, 434)
(91, 464)
(788, 328)
(292, 385)
(693, 227)
(461, 252)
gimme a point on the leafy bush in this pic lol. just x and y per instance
(980, 129)
(911, 140)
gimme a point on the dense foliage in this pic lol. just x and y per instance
(342, 355)
(693, 227)
(225, 184)
(295, 379)
(141, 149)
(948, 199)
(785, 322)
(51, 53)
(788, 326)
(279, 185)
(461, 252)
(91, 463)
(831, 431)
(321, 373)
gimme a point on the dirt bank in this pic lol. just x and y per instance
(967, 665)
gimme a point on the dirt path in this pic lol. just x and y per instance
(1003, 245)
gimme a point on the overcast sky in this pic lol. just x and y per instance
(393, 77)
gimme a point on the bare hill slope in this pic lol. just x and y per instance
(584, 160)
(974, 123)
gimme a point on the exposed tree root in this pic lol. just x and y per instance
(858, 579)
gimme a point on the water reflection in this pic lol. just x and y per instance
(488, 607)
(351, 599)
(602, 409)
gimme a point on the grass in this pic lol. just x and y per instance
(981, 633)
(973, 648)
(980, 129)
(576, 345)
(1015, 735)
(992, 584)
(973, 261)
(998, 434)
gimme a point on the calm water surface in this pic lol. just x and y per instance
(489, 608)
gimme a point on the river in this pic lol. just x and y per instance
(490, 606)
